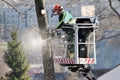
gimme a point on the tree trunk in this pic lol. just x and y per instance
(47, 55)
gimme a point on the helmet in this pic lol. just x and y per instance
(57, 7)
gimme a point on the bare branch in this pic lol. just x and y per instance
(109, 37)
(111, 6)
(12, 7)
(102, 17)
(22, 13)
(31, 7)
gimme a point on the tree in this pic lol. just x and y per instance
(114, 10)
(47, 55)
(16, 60)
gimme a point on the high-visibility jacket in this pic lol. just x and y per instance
(65, 18)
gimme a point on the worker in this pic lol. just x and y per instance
(65, 18)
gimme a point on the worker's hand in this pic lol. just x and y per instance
(55, 29)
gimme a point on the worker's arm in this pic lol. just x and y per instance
(61, 21)
(60, 24)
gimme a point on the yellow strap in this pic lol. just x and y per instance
(64, 14)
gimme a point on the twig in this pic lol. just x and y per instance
(12, 7)
(23, 13)
(117, 14)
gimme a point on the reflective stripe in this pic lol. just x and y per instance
(64, 14)
(72, 21)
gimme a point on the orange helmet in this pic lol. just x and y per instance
(57, 7)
